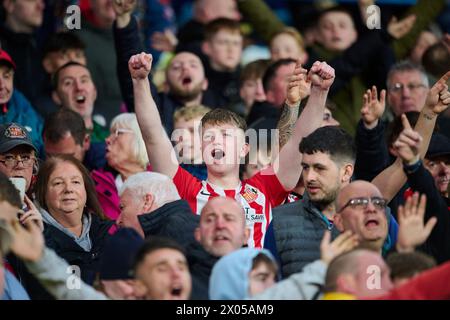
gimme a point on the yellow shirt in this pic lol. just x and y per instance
(338, 296)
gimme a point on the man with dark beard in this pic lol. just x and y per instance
(186, 84)
(296, 231)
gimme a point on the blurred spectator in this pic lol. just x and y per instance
(150, 204)
(161, 271)
(407, 87)
(191, 35)
(14, 106)
(115, 278)
(426, 39)
(223, 46)
(10, 203)
(186, 137)
(251, 88)
(406, 265)
(18, 38)
(241, 274)
(59, 49)
(288, 43)
(73, 88)
(96, 32)
(125, 155)
(65, 133)
(275, 81)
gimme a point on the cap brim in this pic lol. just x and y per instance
(438, 154)
(7, 63)
(14, 143)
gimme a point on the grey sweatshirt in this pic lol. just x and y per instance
(299, 286)
(53, 273)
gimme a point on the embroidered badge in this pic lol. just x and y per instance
(15, 132)
(250, 194)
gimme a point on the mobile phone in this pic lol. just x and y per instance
(20, 184)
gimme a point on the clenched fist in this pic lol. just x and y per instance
(321, 76)
(140, 66)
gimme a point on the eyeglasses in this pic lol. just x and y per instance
(120, 131)
(398, 87)
(10, 161)
(363, 202)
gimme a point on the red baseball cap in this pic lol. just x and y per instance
(4, 57)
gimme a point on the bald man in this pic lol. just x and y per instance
(361, 208)
(222, 230)
(222, 226)
(349, 274)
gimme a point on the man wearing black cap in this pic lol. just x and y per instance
(437, 161)
(17, 152)
(431, 178)
(14, 107)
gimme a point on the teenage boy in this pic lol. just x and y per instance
(223, 145)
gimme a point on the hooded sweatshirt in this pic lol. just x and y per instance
(83, 241)
(229, 277)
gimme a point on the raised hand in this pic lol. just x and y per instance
(164, 41)
(123, 7)
(321, 76)
(140, 66)
(298, 88)
(373, 108)
(343, 243)
(411, 229)
(438, 98)
(32, 214)
(399, 28)
(408, 143)
(28, 242)
(123, 10)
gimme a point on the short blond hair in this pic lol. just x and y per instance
(291, 32)
(189, 113)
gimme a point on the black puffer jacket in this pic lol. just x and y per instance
(174, 220)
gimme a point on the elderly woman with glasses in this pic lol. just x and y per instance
(126, 155)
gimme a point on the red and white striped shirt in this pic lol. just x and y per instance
(257, 196)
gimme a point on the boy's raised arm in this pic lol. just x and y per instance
(159, 148)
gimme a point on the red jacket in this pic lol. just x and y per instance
(433, 284)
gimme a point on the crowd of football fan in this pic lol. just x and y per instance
(247, 149)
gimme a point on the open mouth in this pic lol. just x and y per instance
(217, 154)
(220, 238)
(371, 223)
(186, 81)
(80, 99)
(176, 291)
